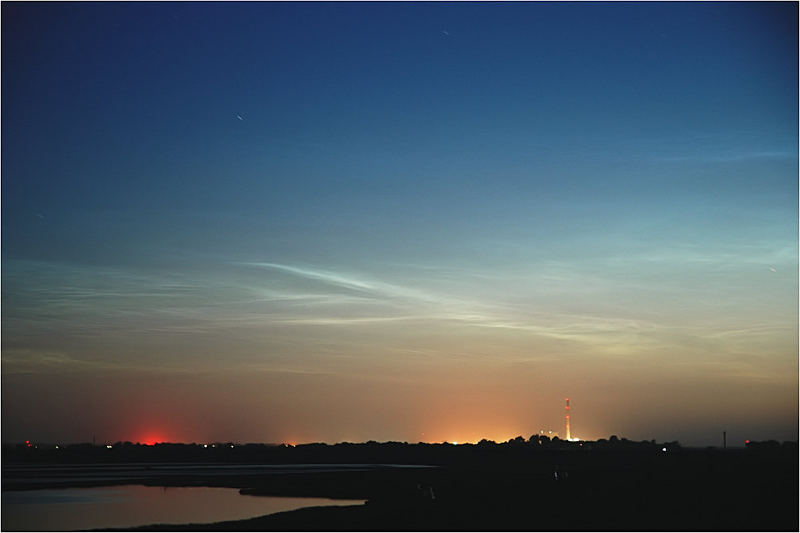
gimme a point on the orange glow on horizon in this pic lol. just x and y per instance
(474, 437)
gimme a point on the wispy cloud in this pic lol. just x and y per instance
(342, 321)
(319, 275)
(728, 157)
(365, 286)
(548, 302)
(408, 304)
(30, 361)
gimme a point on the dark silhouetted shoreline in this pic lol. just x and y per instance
(518, 485)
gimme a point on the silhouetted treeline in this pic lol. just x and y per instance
(345, 452)
(523, 484)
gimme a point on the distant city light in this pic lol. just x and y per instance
(108, 446)
(663, 449)
(205, 445)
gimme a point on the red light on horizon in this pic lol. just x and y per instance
(153, 439)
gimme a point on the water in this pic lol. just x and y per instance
(40, 476)
(136, 505)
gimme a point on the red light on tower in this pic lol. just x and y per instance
(567, 419)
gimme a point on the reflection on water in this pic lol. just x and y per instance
(136, 505)
(31, 476)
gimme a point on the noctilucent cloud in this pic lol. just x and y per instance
(296, 222)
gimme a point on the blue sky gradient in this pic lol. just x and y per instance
(409, 221)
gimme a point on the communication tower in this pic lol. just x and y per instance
(567, 419)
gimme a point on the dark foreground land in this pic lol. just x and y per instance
(515, 486)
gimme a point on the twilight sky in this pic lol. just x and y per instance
(302, 222)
